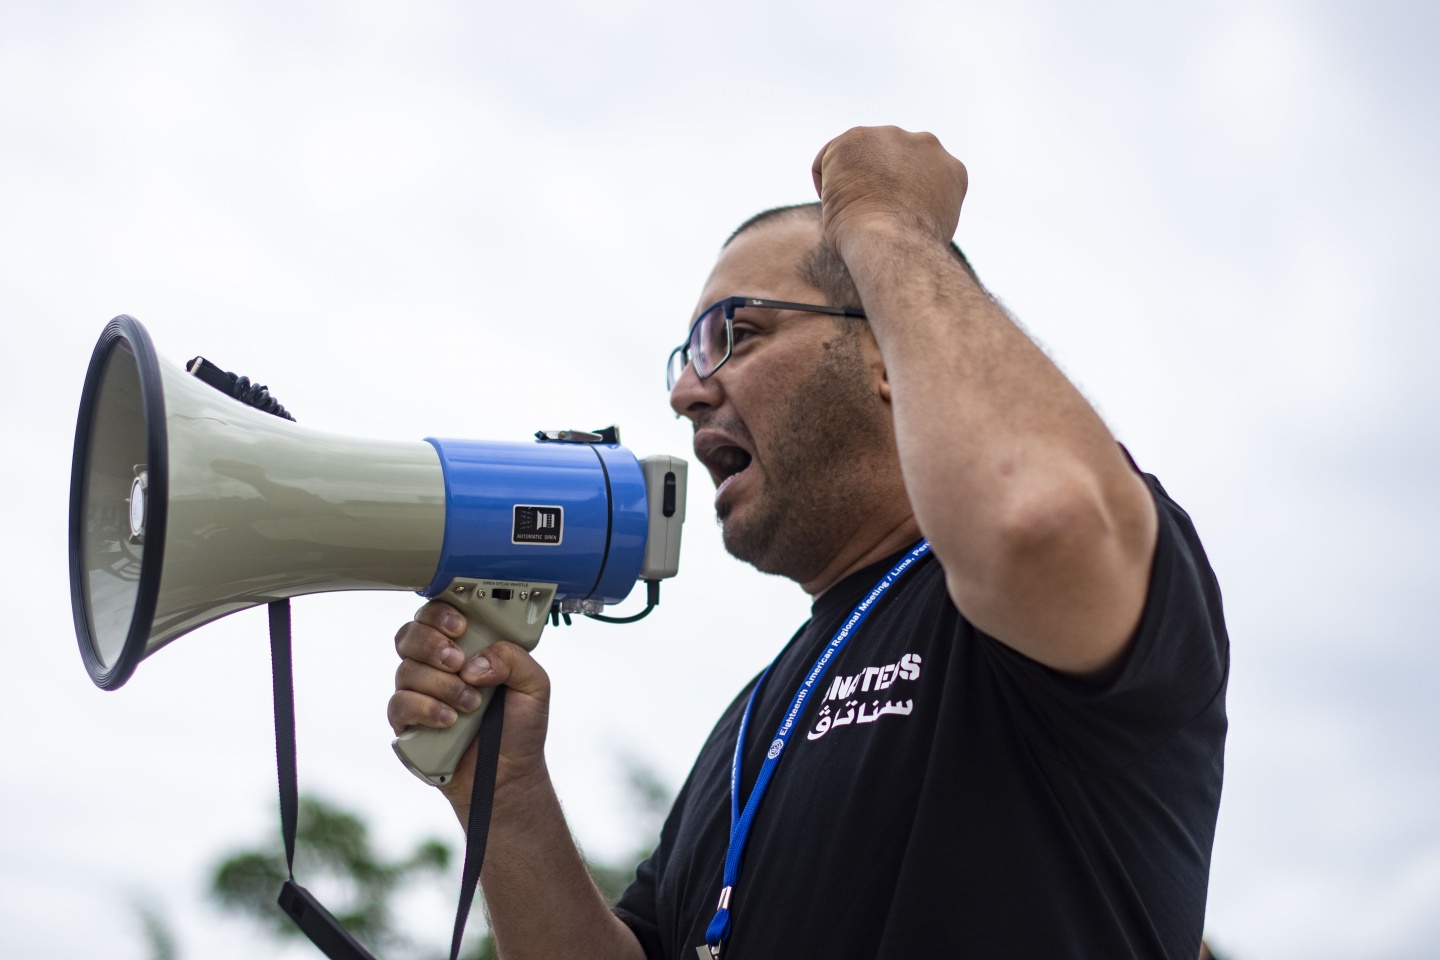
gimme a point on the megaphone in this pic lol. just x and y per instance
(187, 504)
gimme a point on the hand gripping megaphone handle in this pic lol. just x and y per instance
(494, 610)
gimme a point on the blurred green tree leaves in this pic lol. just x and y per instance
(335, 858)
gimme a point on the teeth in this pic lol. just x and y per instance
(728, 461)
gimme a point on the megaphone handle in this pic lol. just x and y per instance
(432, 754)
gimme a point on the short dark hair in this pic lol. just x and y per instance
(822, 268)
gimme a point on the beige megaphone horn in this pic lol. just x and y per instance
(187, 504)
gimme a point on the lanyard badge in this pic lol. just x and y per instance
(741, 820)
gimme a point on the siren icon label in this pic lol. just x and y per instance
(538, 525)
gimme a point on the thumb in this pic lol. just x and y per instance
(509, 664)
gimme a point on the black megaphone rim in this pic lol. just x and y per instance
(152, 395)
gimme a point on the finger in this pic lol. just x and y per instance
(448, 688)
(408, 708)
(817, 170)
(416, 641)
(506, 663)
(442, 617)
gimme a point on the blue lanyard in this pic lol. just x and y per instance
(719, 930)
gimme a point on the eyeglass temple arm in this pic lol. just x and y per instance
(787, 305)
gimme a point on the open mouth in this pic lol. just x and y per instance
(723, 459)
(725, 462)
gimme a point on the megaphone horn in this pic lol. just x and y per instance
(187, 504)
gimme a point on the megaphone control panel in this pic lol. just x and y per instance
(665, 498)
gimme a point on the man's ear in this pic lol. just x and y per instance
(875, 364)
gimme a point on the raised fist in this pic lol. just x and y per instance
(885, 177)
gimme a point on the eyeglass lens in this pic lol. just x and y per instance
(709, 345)
(710, 342)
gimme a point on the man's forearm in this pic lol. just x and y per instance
(1019, 484)
(973, 397)
(538, 893)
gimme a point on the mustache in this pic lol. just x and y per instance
(729, 425)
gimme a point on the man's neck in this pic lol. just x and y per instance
(874, 542)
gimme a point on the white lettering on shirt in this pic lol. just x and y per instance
(849, 711)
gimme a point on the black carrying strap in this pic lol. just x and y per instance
(482, 802)
(309, 914)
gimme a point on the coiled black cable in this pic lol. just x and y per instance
(258, 396)
(252, 394)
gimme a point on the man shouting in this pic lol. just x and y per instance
(1001, 732)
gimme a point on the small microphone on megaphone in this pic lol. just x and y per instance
(187, 504)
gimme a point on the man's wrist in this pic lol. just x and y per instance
(523, 798)
(861, 237)
(514, 793)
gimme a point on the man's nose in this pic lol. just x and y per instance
(691, 395)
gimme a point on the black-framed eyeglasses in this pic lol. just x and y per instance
(712, 336)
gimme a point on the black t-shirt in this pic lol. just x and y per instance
(948, 795)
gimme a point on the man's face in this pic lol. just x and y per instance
(792, 428)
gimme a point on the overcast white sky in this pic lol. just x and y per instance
(441, 218)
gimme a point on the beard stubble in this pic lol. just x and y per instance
(823, 443)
